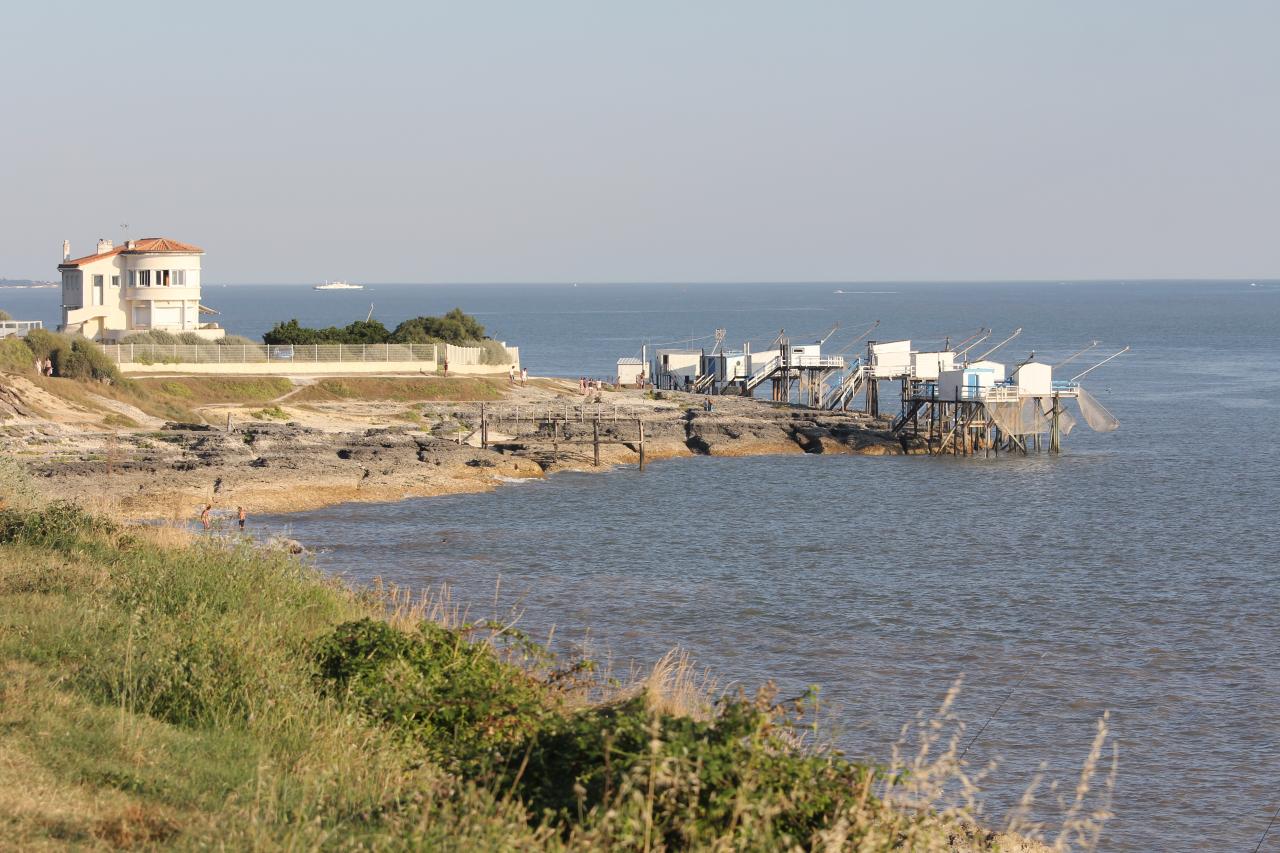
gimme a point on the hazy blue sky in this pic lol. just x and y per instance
(687, 141)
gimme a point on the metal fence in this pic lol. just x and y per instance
(18, 327)
(263, 354)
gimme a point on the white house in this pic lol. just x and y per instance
(152, 283)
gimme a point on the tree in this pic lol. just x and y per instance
(454, 328)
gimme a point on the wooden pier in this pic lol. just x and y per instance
(548, 426)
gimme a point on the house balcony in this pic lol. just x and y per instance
(152, 294)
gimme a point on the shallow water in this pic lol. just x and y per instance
(1134, 573)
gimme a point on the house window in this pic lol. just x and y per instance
(180, 278)
(133, 278)
(115, 281)
(97, 290)
(144, 278)
(71, 295)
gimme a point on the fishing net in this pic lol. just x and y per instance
(1066, 422)
(1018, 417)
(1095, 414)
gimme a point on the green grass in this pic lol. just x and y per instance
(208, 390)
(171, 691)
(402, 390)
(274, 413)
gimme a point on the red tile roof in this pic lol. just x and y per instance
(149, 245)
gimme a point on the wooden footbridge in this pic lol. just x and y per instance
(550, 434)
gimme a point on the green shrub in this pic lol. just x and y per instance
(452, 695)
(61, 525)
(454, 328)
(73, 356)
(154, 337)
(16, 356)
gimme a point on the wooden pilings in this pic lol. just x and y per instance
(556, 423)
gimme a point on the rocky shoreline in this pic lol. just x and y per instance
(334, 453)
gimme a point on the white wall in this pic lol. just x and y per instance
(984, 374)
(629, 374)
(927, 365)
(1035, 378)
(891, 358)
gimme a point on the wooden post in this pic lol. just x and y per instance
(1055, 440)
(555, 440)
(228, 422)
(595, 439)
(484, 428)
(640, 427)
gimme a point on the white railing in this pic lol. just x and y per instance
(817, 361)
(18, 327)
(261, 353)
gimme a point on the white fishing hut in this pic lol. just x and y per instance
(891, 359)
(631, 371)
(929, 365)
(676, 368)
(971, 381)
(1034, 379)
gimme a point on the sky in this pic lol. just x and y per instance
(599, 141)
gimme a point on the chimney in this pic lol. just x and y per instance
(104, 246)
(66, 250)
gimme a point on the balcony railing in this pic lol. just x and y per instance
(19, 328)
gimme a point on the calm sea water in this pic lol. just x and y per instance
(1136, 573)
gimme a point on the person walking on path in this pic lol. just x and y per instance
(524, 376)
(48, 367)
(511, 375)
(204, 515)
(241, 515)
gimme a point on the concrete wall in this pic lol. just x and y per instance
(324, 368)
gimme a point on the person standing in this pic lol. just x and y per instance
(204, 515)
(241, 515)
(48, 367)
(524, 376)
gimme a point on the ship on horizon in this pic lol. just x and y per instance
(338, 285)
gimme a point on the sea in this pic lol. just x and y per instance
(1136, 574)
